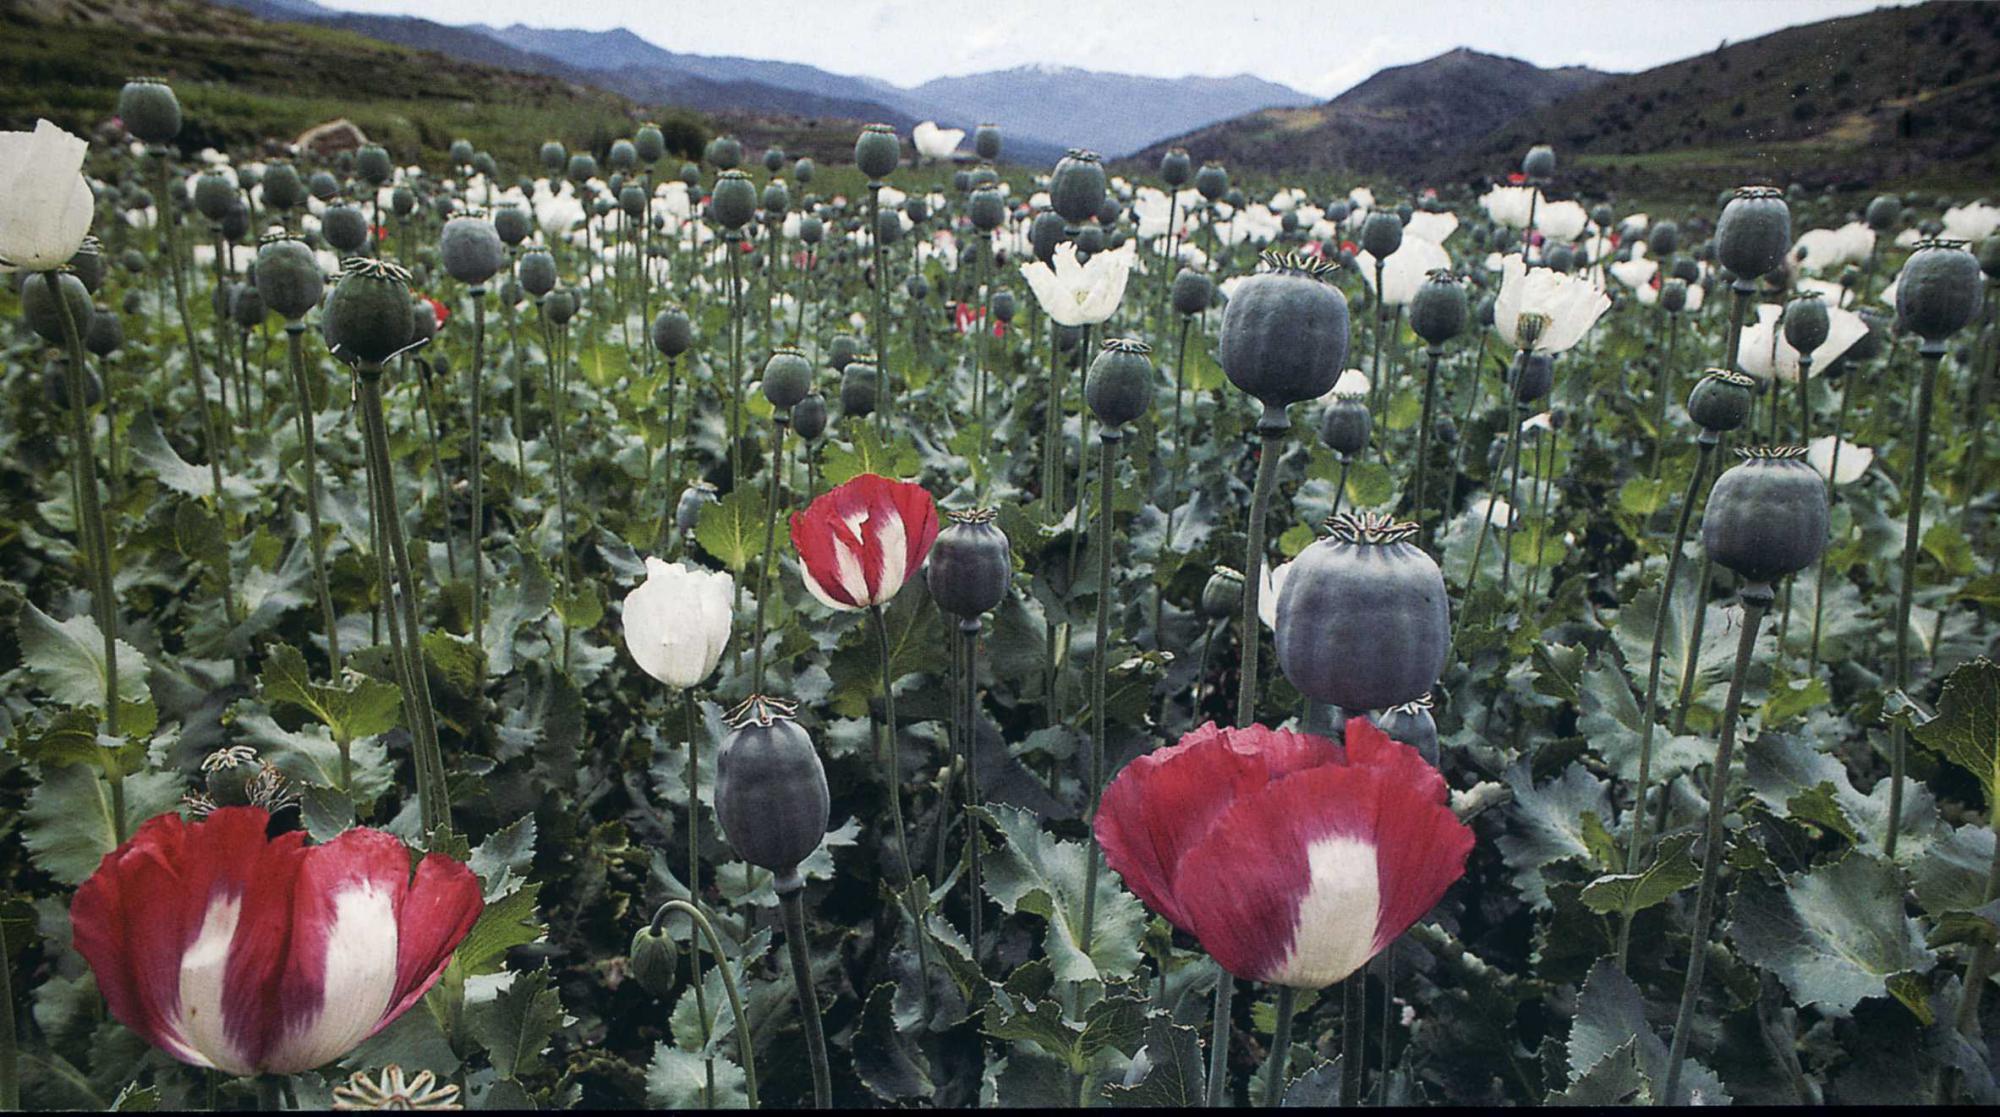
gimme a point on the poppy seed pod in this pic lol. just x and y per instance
(484, 163)
(288, 277)
(1176, 167)
(424, 321)
(811, 231)
(553, 156)
(344, 227)
(246, 307)
(471, 250)
(536, 270)
(1674, 296)
(971, 565)
(1192, 292)
(1720, 402)
(149, 110)
(724, 152)
(1002, 305)
(372, 164)
(687, 510)
(857, 387)
(1539, 162)
(1345, 426)
(368, 317)
(582, 168)
(1440, 308)
(323, 186)
(961, 181)
(1940, 290)
(1381, 235)
(777, 199)
(1664, 238)
(105, 334)
(987, 209)
(673, 331)
(560, 306)
(1222, 594)
(283, 189)
(1531, 376)
(918, 287)
(653, 961)
(774, 158)
(213, 195)
(1076, 187)
(1284, 335)
(1989, 256)
(984, 175)
(632, 200)
(55, 384)
(623, 156)
(877, 151)
(734, 200)
(770, 790)
(809, 416)
(1044, 234)
(1767, 517)
(1235, 198)
(841, 351)
(1119, 386)
(1560, 258)
(1108, 211)
(889, 226)
(803, 170)
(1089, 242)
(1413, 724)
(650, 143)
(1211, 181)
(986, 141)
(1754, 232)
(512, 222)
(1362, 620)
(88, 264)
(44, 315)
(690, 175)
(1806, 322)
(787, 378)
(1883, 212)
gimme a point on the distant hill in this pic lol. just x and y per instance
(1402, 119)
(1907, 94)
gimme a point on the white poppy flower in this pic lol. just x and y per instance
(1428, 226)
(1404, 270)
(1832, 293)
(1854, 460)
(1829, 250)
(1909, 238)
(1561, 221)
(1566, 305)
(1636, 272)
(677, 622)
(1508, 205)
(1763, 351)
(1353, 384)
(1077, 294)
(1361, 198)
(1271, 583)
(45, 202)
(1974, 222)
(934, 142)
(1503, 512)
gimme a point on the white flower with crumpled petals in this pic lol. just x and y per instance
(677, 622)
(1854, 460)
(934, 142)
(45, 202)
(1567, 306)
(1083, 294)
(1561, 221)
(1824, 250)
(1509, 205)
(1404, 270)
(1764, 352)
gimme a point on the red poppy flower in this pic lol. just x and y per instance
(266, 956)
(1293, 859)
(858, 543)
(442, 311)
(1516, 178)
(1349, 247)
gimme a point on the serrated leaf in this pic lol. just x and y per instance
(1552, 826)
(1834, 935)
(71, 737)
(150, 450)
(1672, 870)
(678, 1079)
(66, 659)
(516, 1025)
(732, 529)
(1174, 1076)
(1042, 875)
(866, 454)
(361, 707)
(1966, 730)
(506, 923)
(885, 1059)
(502, 860)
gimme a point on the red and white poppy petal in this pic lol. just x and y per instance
(1164, 803)
(821, 555)
(340, 976)
(438, 911)
(918, 514)
(1420, 849)
(1284, 888)
(1369, 747)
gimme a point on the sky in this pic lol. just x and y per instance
(1322, 47)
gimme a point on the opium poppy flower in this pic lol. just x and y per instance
(1292, 858)
(859, 542)
(226, 949)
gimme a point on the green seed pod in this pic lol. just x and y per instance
(842, 351)
(986, 141)
(803, 171)
(857, 387)
(246, 307)
(673, 331)
(1754, 232)
(105, 334)
(623, 156)
(368, 317)
(554, 157)
(323, 186)
(1002, 306)
(984, 175)
(1531, 376)
(1413, 724)
(987, 209)
(88, 264)
(372, 164)
(809, 416)
(1077, 186)
(690, 175)
(774, 158)
(970, 565)
(1440, 308)
(1720, 403)
(1539, 162)
(1663, 239)
(1767, 517)
(687, 510)
(1284, 335)
(1211, 181)
(1192, 292)
(561, 306)
(632, 200)
(777, 199)
(724, 153)
(55, 384)
(734, 201)
(344, 227)
(1806, 322)
(1176, 167)
(149, 110)
(424, 322)
(1044, 234)
(1119, 386)
(649, 143)
(288, 277)
(132, 260)
(1363, 620)
(582, 168)
(1674, 296)
(213, 195)
(227, 774)
(654, 962)
(1560, 258)
(770, 790)
(44, 314)
(787, 377)
(283, 189)
(1883, 212)
(471, 250)
(877, 151)
(1381, 235)
(1345, 426)
(811, 230)
(460, 152)
(1089, 242)
(889, 226)
(536, 270)
(513, 224)
(1940, 291)
(1222, 594)
(484, 164)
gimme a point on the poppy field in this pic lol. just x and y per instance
(659, 628)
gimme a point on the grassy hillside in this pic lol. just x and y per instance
(1901, 95)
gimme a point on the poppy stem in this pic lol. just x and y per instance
(270, 1093)
(916, 897)
(969, 631)
(795, 941)
(779, 425)
(96, 536)
(744, 1046)
(1218, 1040)
(1832, 474)
(881, 321)
(1913, 494)
(10, 1061)
(477, 437)
(308, 440)
(1281, 1048)
(1108, 440)
(1421, 466)
(1272, 432)
(1756, 598)
(1661, 383)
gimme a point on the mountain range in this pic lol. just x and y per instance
(1035, 106)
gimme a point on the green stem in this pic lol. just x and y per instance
(477, 435)
(694, 879)
(1281, 1048)
(10, 1059)
(969, 630)
(1660, 385)
(1353, 1049)
(309, 441)
(881, 322)
(1421, 467)
(778, 426)
(1757, 598)
(735, 359)
(916, 898)
(270, 1092)
(744, 1045)
(1271, 427)
(795, 941)
(1913, 491)
(1108, 440)
(1218, 1040)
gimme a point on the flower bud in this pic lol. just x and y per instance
(654, 962)
(1222, 594)
(687, 511)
